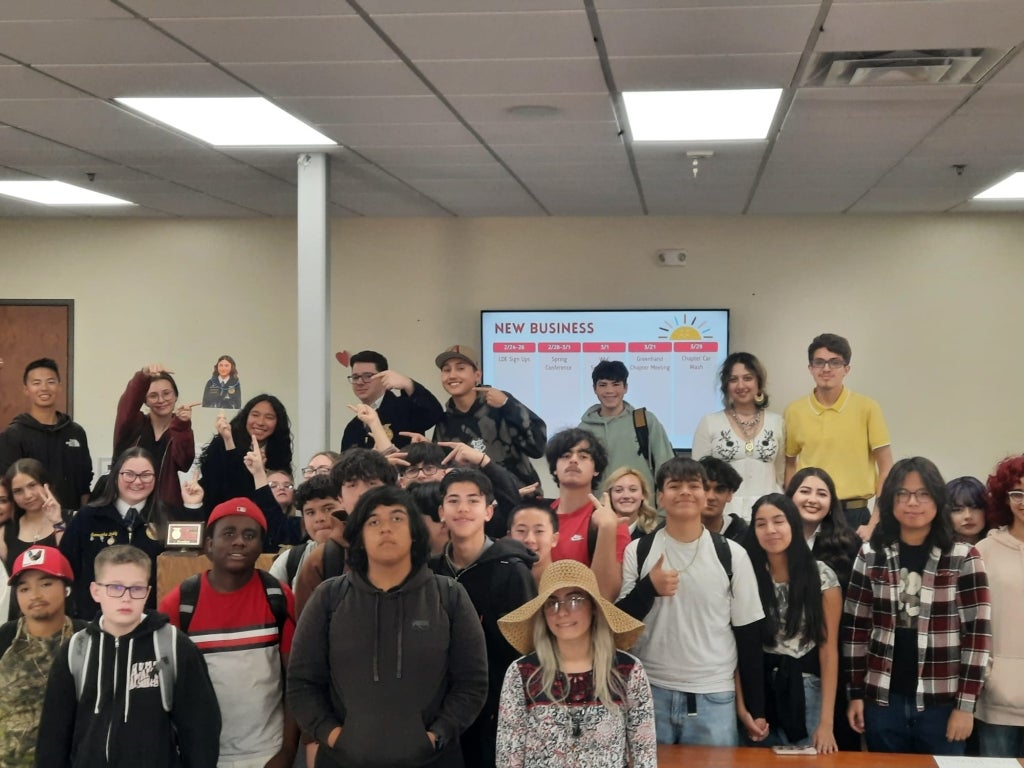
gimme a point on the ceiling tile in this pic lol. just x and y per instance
(678, 73)
(45, 10)
(88, 125)
(89, 41)
(406, 134)
(714, 30)
(18, 82)
(382, 78)
(367, 109)
(521, 76)
(585, 107)
(311, 39)
(513, 35)
(226, 9)
(112, 81)
(899, 25)
(549, 133)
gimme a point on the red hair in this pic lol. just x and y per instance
(1007, 474)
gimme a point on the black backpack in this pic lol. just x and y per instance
(271, 587)
(643, 549)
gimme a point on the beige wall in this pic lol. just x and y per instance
(931, 304)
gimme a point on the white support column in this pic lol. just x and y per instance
(312, 427)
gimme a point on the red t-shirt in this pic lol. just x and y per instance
(238, 636)
(573, 530)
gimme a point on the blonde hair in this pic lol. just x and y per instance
(646, 516)
(607, 681)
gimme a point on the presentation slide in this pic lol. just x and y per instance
(544, 358)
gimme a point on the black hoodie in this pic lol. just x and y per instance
(121, 721)
(62, 448)
(499, 581)
(387, 666)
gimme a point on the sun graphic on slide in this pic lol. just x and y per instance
(690, 329)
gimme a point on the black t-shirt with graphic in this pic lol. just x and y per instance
(904, 658)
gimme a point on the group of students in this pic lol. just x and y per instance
(448, 615)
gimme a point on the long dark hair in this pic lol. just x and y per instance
(31, 467)
(804, 578)
(391, 496)
(153, 511)
(887, 532)
(279, 444)
(837, 543)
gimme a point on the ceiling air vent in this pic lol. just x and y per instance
(954, 66)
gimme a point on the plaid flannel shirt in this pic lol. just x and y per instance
(954, 634)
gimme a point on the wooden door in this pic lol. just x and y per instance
(30, 329)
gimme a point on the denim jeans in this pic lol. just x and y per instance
(713, 724)
(812, 716)
(1000, 740)
(899, 727)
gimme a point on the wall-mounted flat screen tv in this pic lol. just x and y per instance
(545, 357)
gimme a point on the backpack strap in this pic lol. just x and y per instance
(187, 604)
(339, 586)
(721, 544)
(449, 596)
(275, 597)
(292, 560)
(7, 633)
(334, 559)
(643, 434)
(165, 646)
(79, 647)
(591, 539)
(724, 555)
(643, 547)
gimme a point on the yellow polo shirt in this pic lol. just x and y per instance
(839, 439)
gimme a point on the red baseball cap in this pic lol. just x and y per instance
(48, 560)
(237, 506)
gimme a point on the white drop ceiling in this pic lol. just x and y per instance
(418, 94)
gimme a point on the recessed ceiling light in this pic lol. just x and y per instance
(237, 122)
(533, 110)
(57, 193)
(737, 115)
(1011, 188)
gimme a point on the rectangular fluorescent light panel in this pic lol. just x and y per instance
(232, 122)
(1011, 188)
(736, 115)
(57, 193)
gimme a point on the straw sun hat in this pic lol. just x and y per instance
(517, 626)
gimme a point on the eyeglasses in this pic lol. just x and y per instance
(920, 495)
(363, 378)
(308, 472)
(118, 590)
(833, 363)
(1015, 497)
(142, 477)
(427, 470)
(275, 485)
(572, 603)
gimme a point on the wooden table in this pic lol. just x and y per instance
(676, 756)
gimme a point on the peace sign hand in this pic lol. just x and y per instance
(603, 514)
(51, 507)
